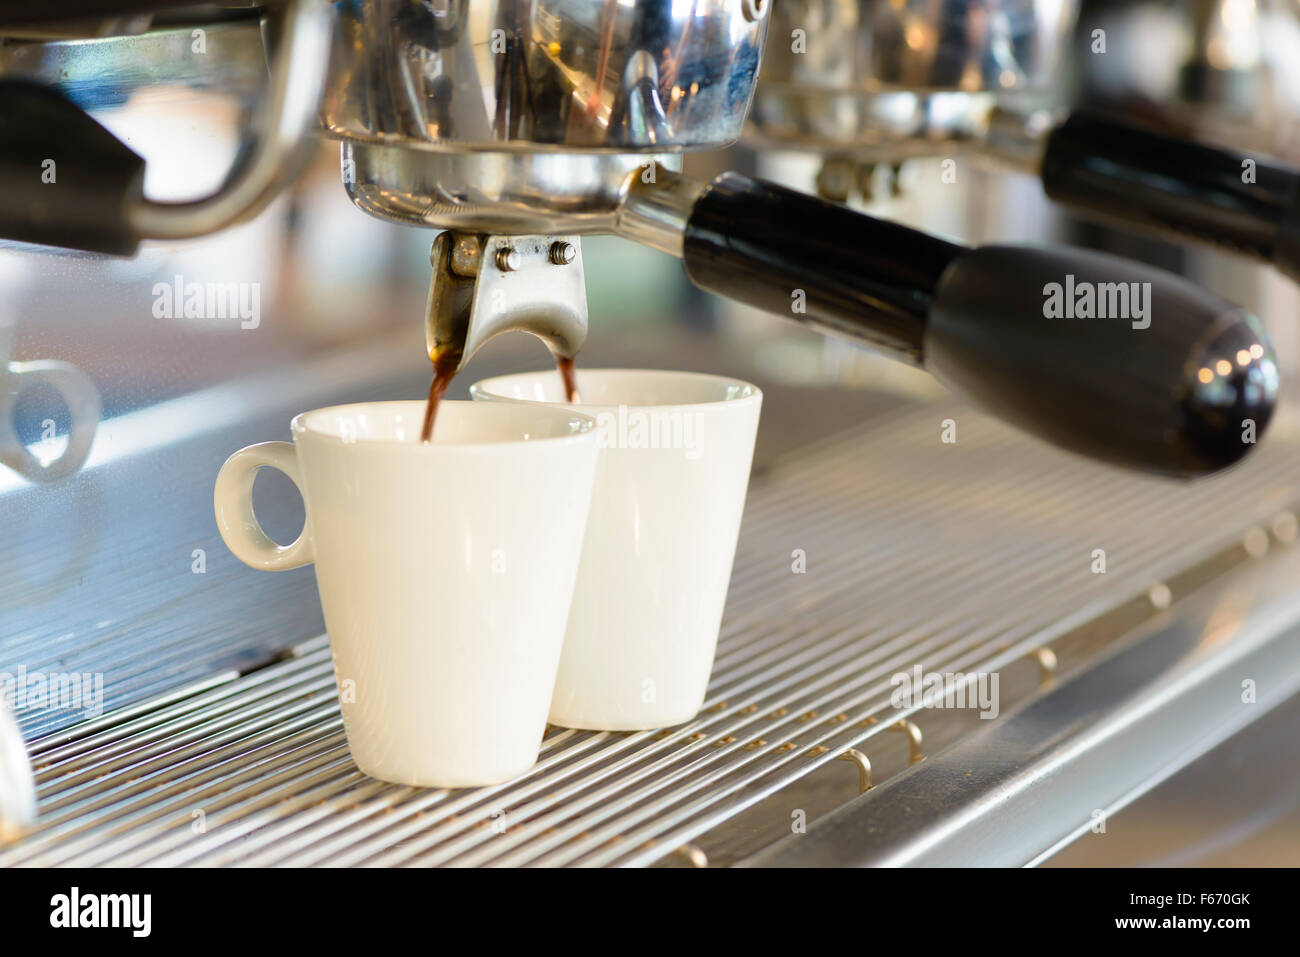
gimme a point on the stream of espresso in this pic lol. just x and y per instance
(444, 370)
(570, 380)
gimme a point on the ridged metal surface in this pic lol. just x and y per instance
(957, 557)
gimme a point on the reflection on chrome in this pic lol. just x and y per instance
(494, 74)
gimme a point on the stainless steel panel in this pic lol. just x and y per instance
(1069, 761)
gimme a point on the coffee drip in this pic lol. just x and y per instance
(445, 364)
(570, 378)
(444, 370)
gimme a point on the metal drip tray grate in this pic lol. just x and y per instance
(955, 557)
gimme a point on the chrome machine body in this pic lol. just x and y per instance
(864, 82)
(531, 120)
(903, 79)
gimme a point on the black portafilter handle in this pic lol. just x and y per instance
(1094, 353)
(65, 180)
(1135, 176)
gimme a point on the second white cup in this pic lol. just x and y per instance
(671, 477)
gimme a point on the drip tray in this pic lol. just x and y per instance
(861, 557)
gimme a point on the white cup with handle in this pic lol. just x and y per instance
(445, 572)
(76, 390)
(676, 450)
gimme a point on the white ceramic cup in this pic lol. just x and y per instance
(77, 391)
(445, 572)
(676, 449)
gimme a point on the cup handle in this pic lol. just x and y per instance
(82, 399)
(233, 501)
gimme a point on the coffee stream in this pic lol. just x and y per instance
(444, 370)
(570, 380)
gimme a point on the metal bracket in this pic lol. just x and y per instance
(486, 285)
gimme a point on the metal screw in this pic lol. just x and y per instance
(508, 259)
(563, 253)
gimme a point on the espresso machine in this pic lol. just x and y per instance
(512, 129)
(884, 82)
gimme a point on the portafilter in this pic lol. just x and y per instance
(862, 82)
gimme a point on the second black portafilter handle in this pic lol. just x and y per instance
(1140, 177)
(1094, 353)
